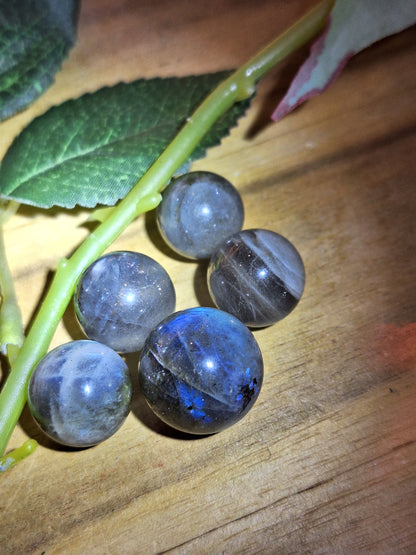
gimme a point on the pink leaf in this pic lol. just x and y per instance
(352, 26)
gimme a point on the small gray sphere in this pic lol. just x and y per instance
(198, 211)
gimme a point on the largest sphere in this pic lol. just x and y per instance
(201, 370)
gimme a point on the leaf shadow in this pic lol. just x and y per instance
(276, 85)
(29, 211)
(5, 369)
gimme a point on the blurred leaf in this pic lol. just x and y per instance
(352, 26)
(94, 149)
(35, 36)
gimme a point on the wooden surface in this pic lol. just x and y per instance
(326, 460)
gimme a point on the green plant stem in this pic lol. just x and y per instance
(11, 325)
(18, 454)
(144, 196)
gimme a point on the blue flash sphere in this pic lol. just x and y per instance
(201, 370)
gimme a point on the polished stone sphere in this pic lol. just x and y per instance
(80, 393)
(198, 211)
(201, 370)
(121, 297)
(256, 275)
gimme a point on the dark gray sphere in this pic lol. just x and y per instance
(256, 275)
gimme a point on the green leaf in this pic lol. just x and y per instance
(35, 36)
(94, 149)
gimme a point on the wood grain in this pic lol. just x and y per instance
(326, 460)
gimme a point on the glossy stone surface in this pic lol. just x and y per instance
(256, 275)
(201, 370)
(198, 211)
(80, 393)
(121, 297)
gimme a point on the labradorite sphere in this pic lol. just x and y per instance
(121, 297)
(80, 393)
(198, 211)
(257, 275)
(201, 370)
